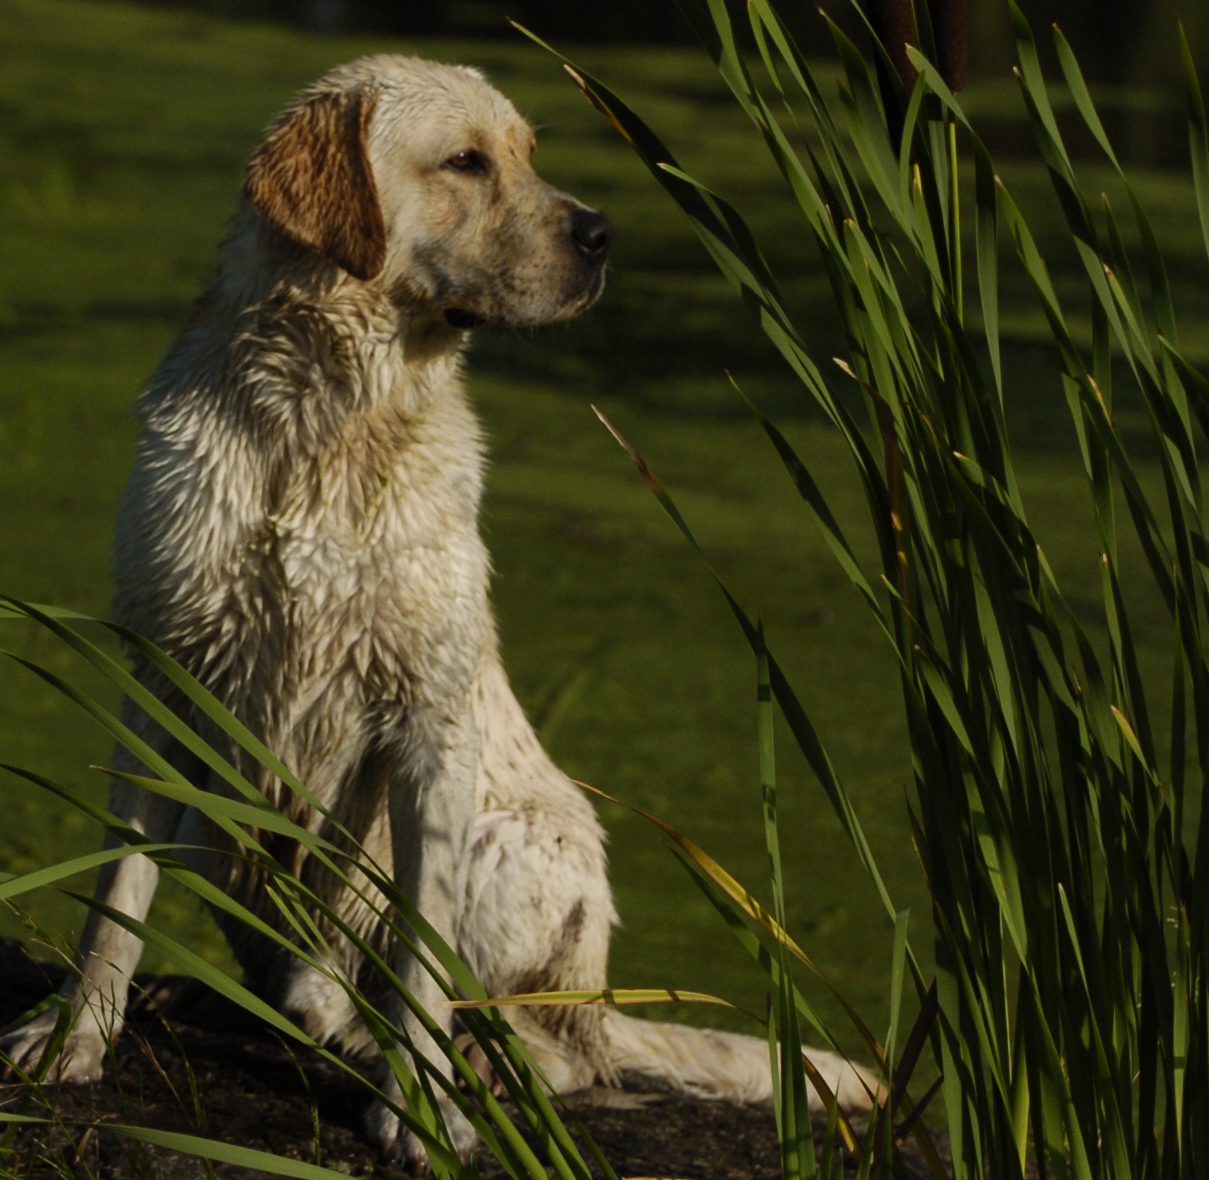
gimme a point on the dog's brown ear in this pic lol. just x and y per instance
(311, 178)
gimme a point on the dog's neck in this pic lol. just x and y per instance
(364, 347)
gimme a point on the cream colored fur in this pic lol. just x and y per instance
(301, 532)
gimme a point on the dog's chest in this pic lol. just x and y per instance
(382, 572)
(347, 572)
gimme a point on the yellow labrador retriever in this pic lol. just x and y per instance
(301, 532)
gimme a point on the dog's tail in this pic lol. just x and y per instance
(709, 1063)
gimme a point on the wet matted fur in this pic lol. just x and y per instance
(301, 532)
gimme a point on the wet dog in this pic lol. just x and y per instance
(301, 533)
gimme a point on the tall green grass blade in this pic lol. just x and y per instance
(800, 725)
(897, 967)
(1081, 96)
(794, 1124)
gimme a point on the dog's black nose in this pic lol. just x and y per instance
(591, 233)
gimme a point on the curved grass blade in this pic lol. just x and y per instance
(608, 996)
(195, 1145)
(14, 886)
(196, 693)
(809, 491)
(799, 723)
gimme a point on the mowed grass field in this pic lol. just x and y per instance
(122, 142)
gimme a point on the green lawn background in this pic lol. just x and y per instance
(122, 141)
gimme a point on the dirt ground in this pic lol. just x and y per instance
(191, 1062)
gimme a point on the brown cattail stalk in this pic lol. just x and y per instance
(950, 24)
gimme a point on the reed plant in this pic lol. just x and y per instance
(1056, 801)
(1056, 796)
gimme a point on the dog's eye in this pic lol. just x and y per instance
(469, 161)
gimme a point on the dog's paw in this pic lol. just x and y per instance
(317, 1002)
(480, 1063)
(80, 1061)
(400, 1145)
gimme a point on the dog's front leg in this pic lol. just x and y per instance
(108, 953)
(431, 812)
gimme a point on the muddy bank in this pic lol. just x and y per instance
(191, 1062)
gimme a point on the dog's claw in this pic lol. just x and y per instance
(397, 1145)
(480, 1063)
(414, 1162)
(392, 1152)
(403, 1149)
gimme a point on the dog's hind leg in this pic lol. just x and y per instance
(541, 921)
(108, 953)
(538, 920)
(537, 911)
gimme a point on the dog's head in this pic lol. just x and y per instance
(416, 177)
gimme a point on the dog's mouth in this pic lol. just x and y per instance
(522, 308)
(459, 317)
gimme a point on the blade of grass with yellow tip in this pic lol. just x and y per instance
(799, 723)
(609, 996)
